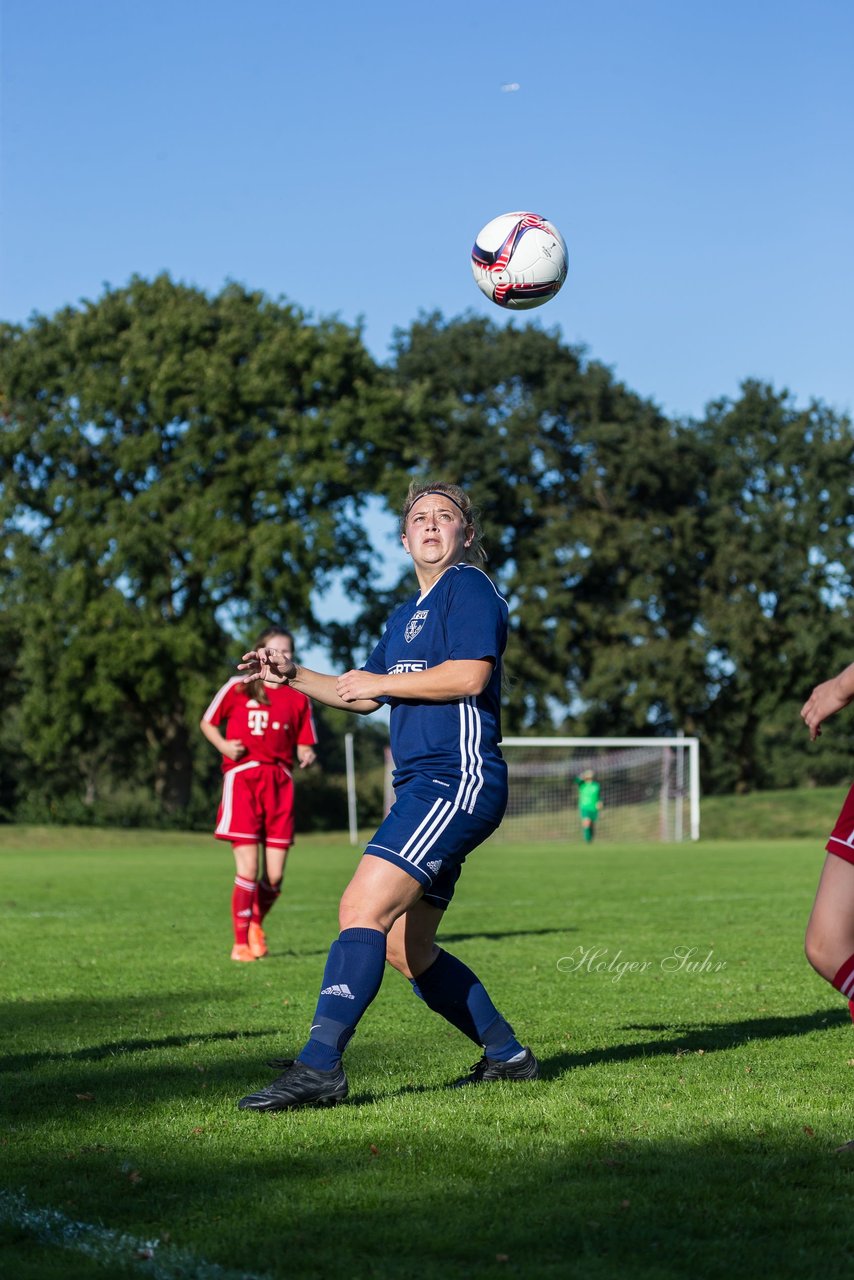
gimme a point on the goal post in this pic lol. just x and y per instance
(649, 787)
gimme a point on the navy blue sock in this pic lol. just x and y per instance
(450, 988)
(351, 979)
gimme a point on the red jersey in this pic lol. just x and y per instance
(269, 731)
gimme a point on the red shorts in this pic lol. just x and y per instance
(841, 840)
(257, 805)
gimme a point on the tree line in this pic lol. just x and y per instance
(177, 469)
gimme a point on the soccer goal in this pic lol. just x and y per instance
(649, 788)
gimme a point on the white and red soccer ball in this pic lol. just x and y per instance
(519, 260)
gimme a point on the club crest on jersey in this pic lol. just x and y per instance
(415, 623)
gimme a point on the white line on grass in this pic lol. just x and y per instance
(153, 1257)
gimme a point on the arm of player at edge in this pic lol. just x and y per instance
(826, 699)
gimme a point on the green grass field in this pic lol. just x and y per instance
(687, 1122)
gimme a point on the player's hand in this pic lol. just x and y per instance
(307, 757)
(233, 748)
(272, 665)
(824, 701)
(354, 686)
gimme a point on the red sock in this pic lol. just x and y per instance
(241, 909)
(843, 980)
(265, 896)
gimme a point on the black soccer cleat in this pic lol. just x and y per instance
(300, 1086)
(490, 1070)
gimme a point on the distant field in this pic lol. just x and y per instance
(696, 1081)
(809, 813)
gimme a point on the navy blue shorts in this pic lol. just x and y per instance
(429, 837)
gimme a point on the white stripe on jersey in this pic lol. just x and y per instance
(311, 723)
(210, 714)
(477, 774)
(228, 795)
(471, 761)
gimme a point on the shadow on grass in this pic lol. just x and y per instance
(278, 954)
(702, 1038)
(245, 1076)
(498, 934)
(114, 1048)
(317, 1198)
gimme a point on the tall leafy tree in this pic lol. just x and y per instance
(177, 467)
(777, 589)
(171, 463)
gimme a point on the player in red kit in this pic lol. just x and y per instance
(830, 932)
(265, 725)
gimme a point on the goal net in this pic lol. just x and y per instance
(648, 788)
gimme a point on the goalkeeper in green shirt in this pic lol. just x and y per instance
(589, 803)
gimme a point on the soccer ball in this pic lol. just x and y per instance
(519, 260)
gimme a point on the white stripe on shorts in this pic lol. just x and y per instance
(222, 827)
(428, 832)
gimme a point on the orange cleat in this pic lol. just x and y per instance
(257, 941)
(241, 952)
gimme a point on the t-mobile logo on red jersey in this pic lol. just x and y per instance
(258, 721)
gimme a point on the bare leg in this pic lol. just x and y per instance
(830, 932)
(246, 861)
(377, 895)
(274, 864)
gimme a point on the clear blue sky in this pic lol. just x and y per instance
(696, 156)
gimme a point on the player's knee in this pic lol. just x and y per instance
(812, 950)
(358, 914)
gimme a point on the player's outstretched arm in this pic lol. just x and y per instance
(276, 667)
(447, 682)
(826, 699)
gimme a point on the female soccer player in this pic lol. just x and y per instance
(438, 667)
(264, 723)
(830, 932)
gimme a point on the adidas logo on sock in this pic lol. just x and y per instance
(433, 866)
(335, 990)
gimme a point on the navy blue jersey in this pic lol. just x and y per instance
(450, 746)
